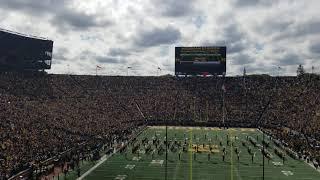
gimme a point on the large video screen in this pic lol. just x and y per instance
(200, 60)
(18, 51)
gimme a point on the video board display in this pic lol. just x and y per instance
(22, 52)
(200, 60)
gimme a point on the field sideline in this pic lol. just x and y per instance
(200, 158)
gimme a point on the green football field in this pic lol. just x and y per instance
(205, 162)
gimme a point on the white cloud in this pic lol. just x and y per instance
(143, 33)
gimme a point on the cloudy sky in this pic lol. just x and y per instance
(259, 34)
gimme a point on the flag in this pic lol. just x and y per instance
(99, 67)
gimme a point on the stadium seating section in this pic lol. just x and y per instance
(44, 115)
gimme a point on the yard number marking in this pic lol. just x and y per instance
(121, 177)
(136, 158)
(277, 163)
(287, 173)
(129, 166)
(157, 162)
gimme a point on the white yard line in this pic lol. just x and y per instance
(102, 160)
(238, 174)
(311, 165)
(176, 170)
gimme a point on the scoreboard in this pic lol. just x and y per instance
(21, 52)
(200, 60)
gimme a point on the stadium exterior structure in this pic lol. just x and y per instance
(19, 52)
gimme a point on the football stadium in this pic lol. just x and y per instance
(199, 121)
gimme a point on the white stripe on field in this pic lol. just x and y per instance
(311, 165)
(102, 160)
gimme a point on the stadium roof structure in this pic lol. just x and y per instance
(21, 34)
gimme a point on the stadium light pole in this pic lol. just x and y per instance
(263, 144)
(260, 125)
(166, 170)
(246, 92)
(223, 102)
(166, 147)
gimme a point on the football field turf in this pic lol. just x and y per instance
(207, 163)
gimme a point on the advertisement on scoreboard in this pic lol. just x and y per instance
(200, 60)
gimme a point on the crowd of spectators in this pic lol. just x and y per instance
(44, 115)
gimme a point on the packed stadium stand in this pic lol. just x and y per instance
(53, 119)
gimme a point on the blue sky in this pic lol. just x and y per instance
(260, 35)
